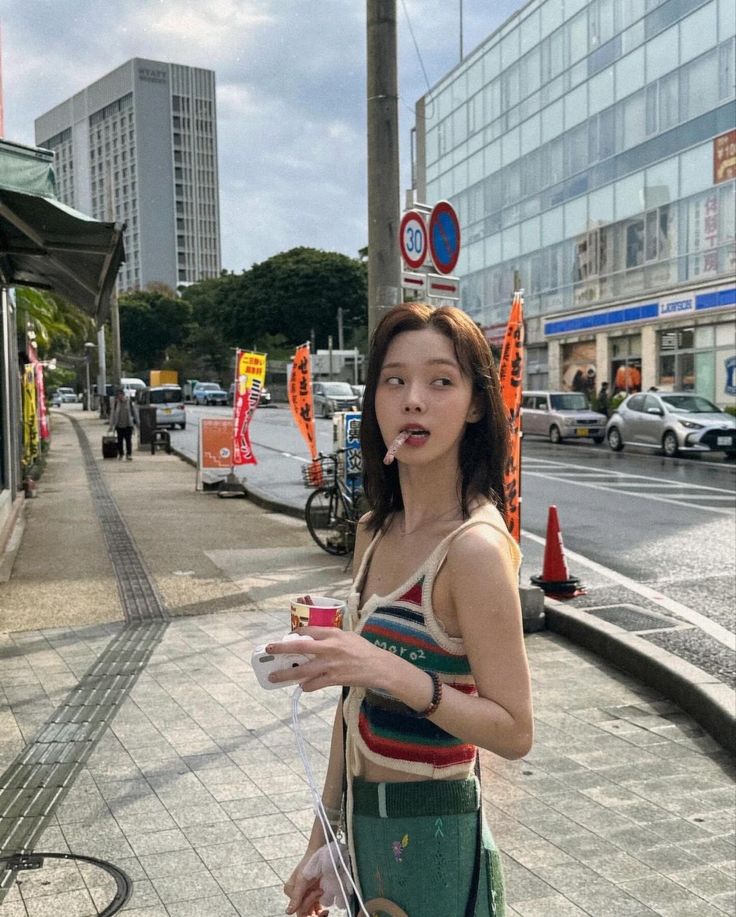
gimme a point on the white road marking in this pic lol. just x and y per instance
(553, 466)
(719, 633)
(631, 493)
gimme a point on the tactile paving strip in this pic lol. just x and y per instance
(40, 777)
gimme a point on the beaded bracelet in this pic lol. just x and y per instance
(436, 698)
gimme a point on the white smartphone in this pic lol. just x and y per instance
(264, 663)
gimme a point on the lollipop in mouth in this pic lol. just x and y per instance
(395, 446)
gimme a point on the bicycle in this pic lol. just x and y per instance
(332, 510)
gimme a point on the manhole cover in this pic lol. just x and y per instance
(37, 883)
(632, 617)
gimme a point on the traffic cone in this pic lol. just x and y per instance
(555, 580)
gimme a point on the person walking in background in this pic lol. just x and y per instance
(432, 659)
(122, 421)
(603, 403)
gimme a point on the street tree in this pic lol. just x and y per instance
(281, 301)
(151, 322)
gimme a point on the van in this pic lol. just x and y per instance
(169, 404)
(560, 416)
(131, 386)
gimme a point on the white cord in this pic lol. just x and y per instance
(319, 808)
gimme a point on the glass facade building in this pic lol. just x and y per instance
(140, 146)
(589, 150)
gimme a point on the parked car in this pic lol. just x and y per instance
(55, 399)
(359, 390)
(264, 400)
(333, 396)
(671, 421)
(169, 404)
(208, 393)
(561, 416)
(66, 395)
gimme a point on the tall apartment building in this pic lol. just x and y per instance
(589, 145)
(140, 145)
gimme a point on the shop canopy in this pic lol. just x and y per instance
(47, 245)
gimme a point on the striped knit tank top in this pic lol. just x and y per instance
(404, 623)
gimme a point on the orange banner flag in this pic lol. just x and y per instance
(510, 373)
(300, 396)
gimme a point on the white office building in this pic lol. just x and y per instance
(590, 147)
(140, 146)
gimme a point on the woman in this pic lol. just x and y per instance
(122, 421)
(435, 659)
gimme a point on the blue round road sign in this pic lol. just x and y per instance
(444, 237)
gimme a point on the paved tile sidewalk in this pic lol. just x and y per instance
(623, 807)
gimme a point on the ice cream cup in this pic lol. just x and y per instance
(316, 611)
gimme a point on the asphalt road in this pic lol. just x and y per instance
(633, 523)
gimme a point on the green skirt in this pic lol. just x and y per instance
(416, 845)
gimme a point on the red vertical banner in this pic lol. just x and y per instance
(510, 374)
(300, 396)
(250, 375)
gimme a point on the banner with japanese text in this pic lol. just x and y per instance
(510, 374)
(250, 376)
(300, 396)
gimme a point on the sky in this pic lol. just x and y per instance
(290, 94)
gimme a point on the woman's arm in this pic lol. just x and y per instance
(485, 597)
(484, 592)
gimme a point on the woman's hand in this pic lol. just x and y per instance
(304, 894)
(340, 658)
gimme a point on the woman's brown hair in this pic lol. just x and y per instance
(484, 446)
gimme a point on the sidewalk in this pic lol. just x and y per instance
(194, 788)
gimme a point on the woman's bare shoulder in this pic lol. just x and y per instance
(477, 546)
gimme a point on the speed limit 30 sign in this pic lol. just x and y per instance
(413, 239)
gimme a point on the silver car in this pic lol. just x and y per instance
(671, 421)
(333, 396)
(560, 416)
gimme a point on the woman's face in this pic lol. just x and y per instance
(422, 389)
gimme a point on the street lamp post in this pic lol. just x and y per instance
(88, 345)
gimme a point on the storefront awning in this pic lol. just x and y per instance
(47, 245)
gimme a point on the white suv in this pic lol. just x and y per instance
(561, 415)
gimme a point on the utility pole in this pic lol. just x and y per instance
(384, 268)
(340, 335)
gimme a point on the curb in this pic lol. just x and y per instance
(708, 700)
(253, 494)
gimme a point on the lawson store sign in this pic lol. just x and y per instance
(670, 307)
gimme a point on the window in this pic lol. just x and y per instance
(669, 95)
(632, 120)
(699, 85)
(634, 243)
(727, 54)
